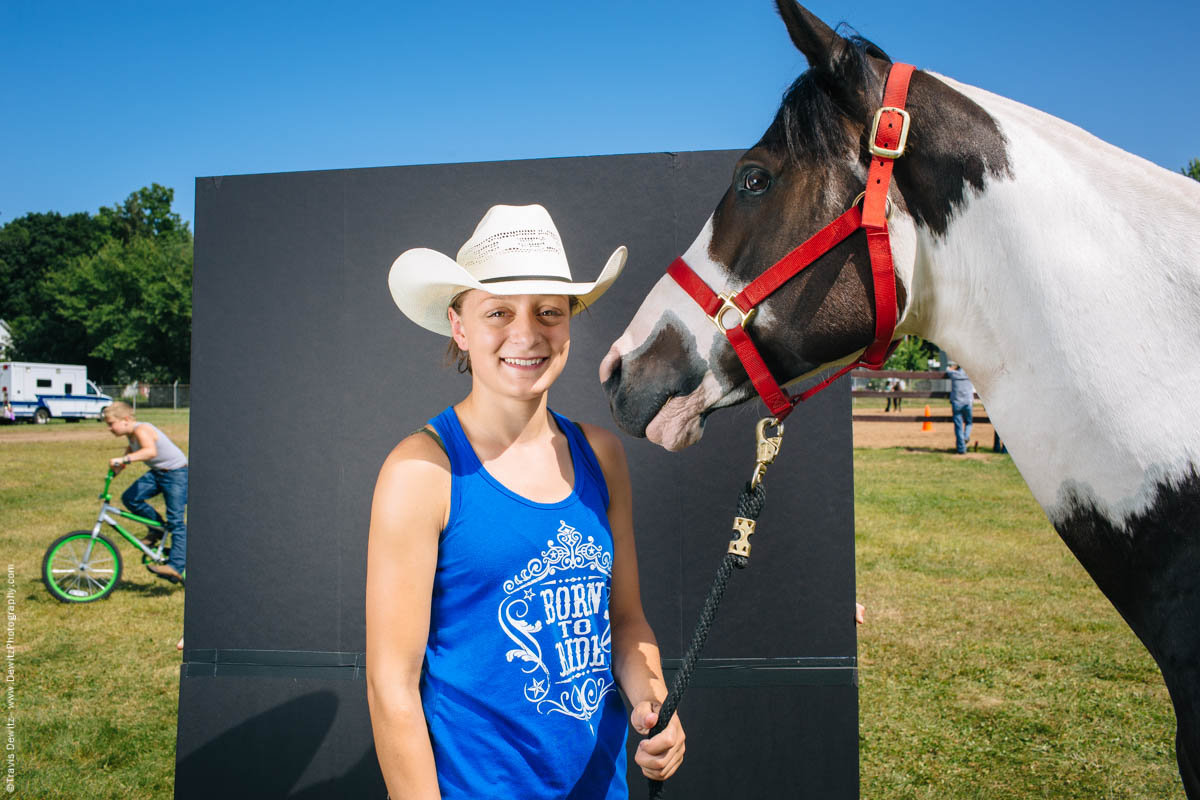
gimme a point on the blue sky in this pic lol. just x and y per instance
(102, 98)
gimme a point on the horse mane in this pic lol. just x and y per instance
(811, 118)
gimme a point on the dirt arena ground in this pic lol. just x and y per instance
(908, 433)
(174, 423)
(85, 430)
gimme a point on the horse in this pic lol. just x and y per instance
(1035, 253)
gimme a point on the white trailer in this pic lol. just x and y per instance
(37, 392)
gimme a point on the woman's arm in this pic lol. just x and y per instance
(407, 514)
(636, 663)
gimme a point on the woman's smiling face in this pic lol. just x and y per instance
(518, 344)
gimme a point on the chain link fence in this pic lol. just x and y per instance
(151, 395)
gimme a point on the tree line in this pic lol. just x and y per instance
(111, 290)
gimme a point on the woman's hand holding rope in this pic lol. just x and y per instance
(660, 755)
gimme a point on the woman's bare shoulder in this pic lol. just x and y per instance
(416, 464)
(606, 445)
(420, 446)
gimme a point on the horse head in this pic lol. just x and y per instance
(672, 367)
(1014, 239)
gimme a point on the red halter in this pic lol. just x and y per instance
(889, 133)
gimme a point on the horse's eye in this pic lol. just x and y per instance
(756, 181)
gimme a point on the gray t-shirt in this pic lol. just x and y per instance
(962, 393)
(169, 455)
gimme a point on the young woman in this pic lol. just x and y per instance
(503, 608)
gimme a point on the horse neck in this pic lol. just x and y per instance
(1070, 292)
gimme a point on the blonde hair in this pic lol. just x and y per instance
(118, 410)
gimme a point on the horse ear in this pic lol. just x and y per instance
(812, 37)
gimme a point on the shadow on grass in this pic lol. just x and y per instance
(157, 589)
(162, 589)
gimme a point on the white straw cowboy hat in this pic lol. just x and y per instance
(514, 250)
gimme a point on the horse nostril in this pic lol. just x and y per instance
(610, 366)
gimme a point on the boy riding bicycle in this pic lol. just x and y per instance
(168, 475)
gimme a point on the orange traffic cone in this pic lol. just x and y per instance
(927, 425)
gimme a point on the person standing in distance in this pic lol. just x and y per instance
(502, 601)
(962, 402)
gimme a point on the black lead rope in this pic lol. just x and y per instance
(750, 504)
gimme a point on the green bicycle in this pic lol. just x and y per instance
(82, 566)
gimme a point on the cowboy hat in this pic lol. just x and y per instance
(514, 250)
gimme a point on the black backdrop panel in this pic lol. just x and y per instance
(268, 737)
(306, 375)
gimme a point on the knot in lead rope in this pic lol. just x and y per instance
(749, 505)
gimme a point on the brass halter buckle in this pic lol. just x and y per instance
(887, 152)
(727, 305)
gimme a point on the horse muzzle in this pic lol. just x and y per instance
(657, 400)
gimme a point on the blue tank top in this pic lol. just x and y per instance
(517, 684)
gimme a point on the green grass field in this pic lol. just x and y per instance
(991, 667)
(96, 686)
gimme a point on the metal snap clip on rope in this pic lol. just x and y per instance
(767, 449)
(749, 506)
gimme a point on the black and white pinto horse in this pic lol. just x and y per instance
(1035, 253)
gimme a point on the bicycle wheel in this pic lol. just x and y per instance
(72, 575)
